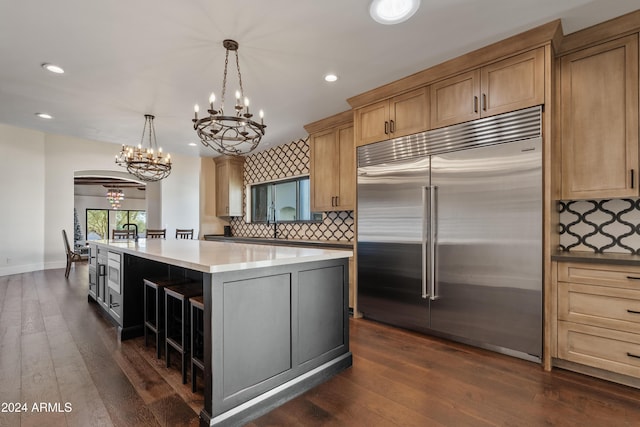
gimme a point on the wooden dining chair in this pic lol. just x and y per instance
(157, 234)
(71, 255)
(184, 233)
(122, 234)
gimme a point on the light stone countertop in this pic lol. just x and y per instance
(216, 257)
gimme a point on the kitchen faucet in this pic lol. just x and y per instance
(275, 223)
(134, 226)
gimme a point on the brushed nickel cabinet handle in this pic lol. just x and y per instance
(633, 178)
(475, 104)
(386, 127)
(484, 102)
(633, 277)
(392, 126)
(633, 311)
(633, 355)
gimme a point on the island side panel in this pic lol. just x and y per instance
(276, 332)
(207, 292)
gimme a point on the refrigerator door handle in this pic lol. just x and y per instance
(433, 239)
(426, 206)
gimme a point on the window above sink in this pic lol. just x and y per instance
(286, 200)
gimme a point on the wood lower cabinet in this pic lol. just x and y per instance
(511, 84)
(402, 115)
(599, 120)
(599, 316)
(332, 165)
(229, 172)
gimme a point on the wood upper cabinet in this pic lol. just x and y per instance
(332, 169)
(229, 171)
(599, 120)
(511, 84)
(405, 114)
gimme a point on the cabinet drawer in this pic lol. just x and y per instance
(600, 306)
(601, 348)
(619, 276)
(115, 306)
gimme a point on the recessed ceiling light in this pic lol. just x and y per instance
(390, 12)
(44, 116)
(53, 68)
(330, 78)
(192, 144)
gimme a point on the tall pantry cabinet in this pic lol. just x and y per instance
(599, 120)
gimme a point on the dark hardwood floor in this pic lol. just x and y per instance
(57, 350)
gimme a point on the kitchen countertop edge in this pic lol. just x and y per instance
(247, 257)
(593, 258)
(335, 244)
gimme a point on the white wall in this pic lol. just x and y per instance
(22, 213)
(38, 182)
(181, 196)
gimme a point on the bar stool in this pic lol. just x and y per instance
(176, 301)
(154, 308)
(197, 337)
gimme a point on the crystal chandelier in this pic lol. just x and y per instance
(115, 196)
(231, 134)
(148, 164)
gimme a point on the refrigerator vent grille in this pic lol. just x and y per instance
(509, 127)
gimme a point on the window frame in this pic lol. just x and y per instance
(111, 219)
(297, 178)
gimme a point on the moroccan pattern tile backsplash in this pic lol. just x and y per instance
(600, 226)
(286, 161)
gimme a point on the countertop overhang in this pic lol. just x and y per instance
(336, 244)
(216, 257)
(593, 258)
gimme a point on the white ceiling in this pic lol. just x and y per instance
(125, 59)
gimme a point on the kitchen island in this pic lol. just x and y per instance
(275, 317)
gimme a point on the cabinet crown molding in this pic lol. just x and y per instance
(346, 117)
(550, 33)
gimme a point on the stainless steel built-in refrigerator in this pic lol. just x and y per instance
(449, 230)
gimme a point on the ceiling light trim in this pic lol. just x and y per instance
(390, 12)
(52, 68)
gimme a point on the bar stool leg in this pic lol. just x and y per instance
(185, 329)
(168, 311)
(192, 348)
(160, 331)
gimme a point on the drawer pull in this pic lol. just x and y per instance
(633, 277)
(633, 311)
(633, 355)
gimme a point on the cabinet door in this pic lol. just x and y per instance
(599, 119)
(372, 123)
(455, 100)
(513, 83)
(229, 186)
(347, 183)
(222, 189)
(324, 165)
(409, 113)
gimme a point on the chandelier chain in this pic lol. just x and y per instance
(239, 76)
(224, 79)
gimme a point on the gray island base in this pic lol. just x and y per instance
(276, 319)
